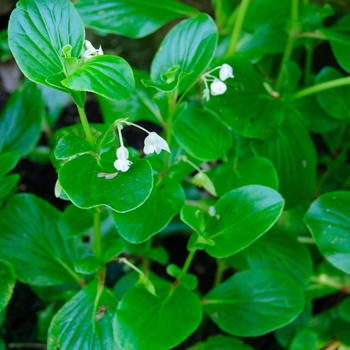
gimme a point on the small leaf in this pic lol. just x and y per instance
(344, 309)
(328, 219)
(174, 312)
(193, 216)
(207, 140)
(304, 340)
(87, 265)
(70, 145)
(8, 161)
(132, 18)
(124, 192)
(254, 302)
(201, 179)
(8, 281)
(85, 322)
(139, 225)
(106, 75)
(242, 216)
(190, 45)
(38, 30)
(220, 342)
(8, 185)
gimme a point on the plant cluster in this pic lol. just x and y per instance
(249, 162)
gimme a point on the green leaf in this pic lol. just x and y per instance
(344, 309)
(87, 265)
(193, 216)
(277, 249)
(124, 192)
(305, 340)
(85, 322)
(246, 106)
(254, 302)
(30, 239)
(293, 154)
(241, 217)
(106, 75)
(8, 161)
(174, 312)
(38, 30)
(21, 120)
(249, 171)
(132, 18)
(190, 46)
(8, 281)
(139, 225)
(220, 342)
(207, 140)
(141, 105)
(8, 185)
(70, 145)
(334, 101)
(328, 219)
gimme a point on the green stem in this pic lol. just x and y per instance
(86, 126)
(290, 44)
(237, 27)
(219, 14)
(171, 110)
(219, 271)
(321, 87)
(187, 263)
(97, 236)
(308, 65)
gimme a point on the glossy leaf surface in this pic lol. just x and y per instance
(132, 18)
(8, 281)
(30, 239)
(241, 217)
(328, 219)
(85, 322)
(254, 302)
(175, 313)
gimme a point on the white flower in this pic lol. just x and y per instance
(122, 163)
(154, 143)
(90, 51)
(206, 94)
(225, 72)
(217, 87)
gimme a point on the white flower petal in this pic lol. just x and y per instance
(122, 165)
(122, 153)
(206, 94)
(155, 143)
(217, 87)
(226, 71)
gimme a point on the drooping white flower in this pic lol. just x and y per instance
(155, 143)
(206, 94)
(122, 163)
(90, 51)
(217, 87)
(225, 72)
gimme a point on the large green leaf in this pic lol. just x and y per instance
(85, 322)
(329, 222)
(8, 281)
(228, 176)
(254, 302)
(293, 154)
(132, 18)
(277, 249)
(241, 217)
(8, 161)
(124, 192)
(21, 120)
(246, 106)
(30, 239)
(108, 76)
(150, 218)
(334, 101)
(186, 51)
(38, 30)
(202, 134)
(174, 313)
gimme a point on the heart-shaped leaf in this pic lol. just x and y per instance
(123, 192)
(246, 106)
(108, 76)
(328, 219)
(38, 30)
(241, 217)
(174, 312)
(150, 218)
(293, 154)
(207, 140)
(254, 302)
(186, 51)
(85, 322)
(8, 281)
(30, 239)
(132, 18)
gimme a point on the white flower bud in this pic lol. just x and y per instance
(226, 71)
(217, 87)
